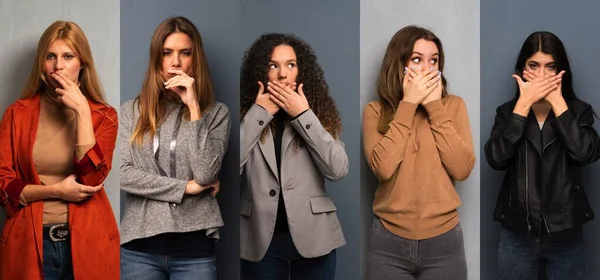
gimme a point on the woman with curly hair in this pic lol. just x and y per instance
(290, 143)
(417, 141)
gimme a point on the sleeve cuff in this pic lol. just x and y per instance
(405, 113)
(13, 190)
(437, 112)
(91, 161)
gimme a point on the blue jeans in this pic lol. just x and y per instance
(282, 262)
(391, 257)
(562, 253)
(139, 265)
(57, 260)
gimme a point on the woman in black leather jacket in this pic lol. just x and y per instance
(541, 138)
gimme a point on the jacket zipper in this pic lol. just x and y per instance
(527, 189)
(543, 215)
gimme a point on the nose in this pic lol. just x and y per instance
(282, 74)
(176, 61)
(59, 64)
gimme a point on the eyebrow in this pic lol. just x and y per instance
(536, 62)
(290, 60)
(422, 54)
(71, 53)
(185, 49)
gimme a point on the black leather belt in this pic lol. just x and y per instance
(57, 232)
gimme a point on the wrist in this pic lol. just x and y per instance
(83, 111)
(522, 107)
(55, 190)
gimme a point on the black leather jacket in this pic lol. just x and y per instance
(542, 188)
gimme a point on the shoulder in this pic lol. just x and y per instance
(578, 107)
(373, 107)
(218, 110)
(103, 111)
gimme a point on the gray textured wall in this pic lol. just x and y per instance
(331, 28)
(21, 25)
(218, 23)
(456, 23)
(504, 27)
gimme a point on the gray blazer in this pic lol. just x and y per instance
(156, 204)
(311, 215)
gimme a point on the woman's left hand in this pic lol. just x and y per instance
(293, 103)
(435, 94)
(69, 94)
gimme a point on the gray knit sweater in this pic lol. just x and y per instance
(156, 204)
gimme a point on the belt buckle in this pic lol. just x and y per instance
(58, 233)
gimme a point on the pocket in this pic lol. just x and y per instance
(320, 205)
(104, 211)
(245, 207)
(8, 226)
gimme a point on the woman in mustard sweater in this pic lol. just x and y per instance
(417, 141)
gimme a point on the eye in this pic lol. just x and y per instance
(69, 56)
(551, 67)
(166, 53)
(272, 66)
(416, 60)
(186, 53)
(50, 56)
(433, 61)
(292, 65)
(533, 66)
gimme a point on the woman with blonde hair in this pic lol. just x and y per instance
(417, 141)
(56, 149)
(173, 140)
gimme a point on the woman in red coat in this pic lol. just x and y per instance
(56, 147)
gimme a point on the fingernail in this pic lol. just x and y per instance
(431, 69)
(412, 67)
(439, 73)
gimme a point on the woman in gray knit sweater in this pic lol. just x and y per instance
(173, 140)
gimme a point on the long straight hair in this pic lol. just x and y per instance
(391, 75)
(547, 43)
(153, 94)
(73, 36)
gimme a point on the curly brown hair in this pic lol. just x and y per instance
(255, 66)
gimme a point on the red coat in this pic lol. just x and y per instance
(93, 228)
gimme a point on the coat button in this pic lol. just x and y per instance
(272, 193)
(502, 217)
(588, 215)
(308, 126)
(261, 122)
(577, 188)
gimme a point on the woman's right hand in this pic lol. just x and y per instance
(69, 190)
(417, 86)
(536, 88)
(194, 188)
(263, 100)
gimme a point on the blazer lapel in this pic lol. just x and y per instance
(288, 136)
(267, 148)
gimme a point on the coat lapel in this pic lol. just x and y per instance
(267, 147)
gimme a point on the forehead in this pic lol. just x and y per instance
(177, 40)
(541, 57)
(283, 53)
(425, 47)
(59, 46)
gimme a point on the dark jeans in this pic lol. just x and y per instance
(139, 265)
(562, 253)
(393, 257)
(282, 262)
(57, 260)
